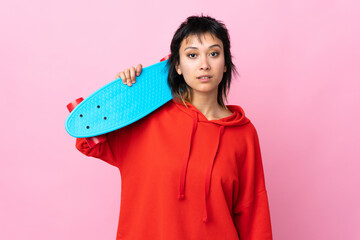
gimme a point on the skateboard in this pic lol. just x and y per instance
(117, 105)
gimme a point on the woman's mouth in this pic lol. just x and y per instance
(204, 78)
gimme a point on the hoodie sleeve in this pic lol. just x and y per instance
(110, 150)
(251, 211)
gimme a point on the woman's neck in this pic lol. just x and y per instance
(207, 104)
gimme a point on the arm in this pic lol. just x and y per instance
(101, 150)
(251, 211)
(97, 146)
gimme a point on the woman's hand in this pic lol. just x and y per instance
(128, 75)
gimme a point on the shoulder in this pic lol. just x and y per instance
(166, 112)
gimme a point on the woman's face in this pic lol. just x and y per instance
(202, 58)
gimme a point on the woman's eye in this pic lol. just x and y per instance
(191, 55)
(214, 54)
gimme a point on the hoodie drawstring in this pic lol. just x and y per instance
(208, 174)
(186, 158)
(209, 170)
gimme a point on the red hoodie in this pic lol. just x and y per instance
(187, 178)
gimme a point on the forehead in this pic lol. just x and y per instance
(200, 39)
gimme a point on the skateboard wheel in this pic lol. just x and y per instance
(165, 58)
(92, 141)
(74, 103)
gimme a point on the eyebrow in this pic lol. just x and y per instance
(215, 45)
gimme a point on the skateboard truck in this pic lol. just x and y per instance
(91, 141)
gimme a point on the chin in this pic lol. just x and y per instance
(205, 89)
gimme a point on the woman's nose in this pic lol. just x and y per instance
(204, 64)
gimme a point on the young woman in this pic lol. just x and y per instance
(192, 169)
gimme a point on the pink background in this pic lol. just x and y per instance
(299, 84)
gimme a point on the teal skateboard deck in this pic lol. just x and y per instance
(117, 105)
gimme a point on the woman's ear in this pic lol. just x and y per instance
(178, 70)
(225, 69)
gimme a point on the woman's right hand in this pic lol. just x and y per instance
(128, 75)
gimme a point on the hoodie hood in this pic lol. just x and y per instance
(238, 118)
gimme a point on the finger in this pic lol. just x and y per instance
(132, 74)
(138, 69)
(123, 78)
(127, 75)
